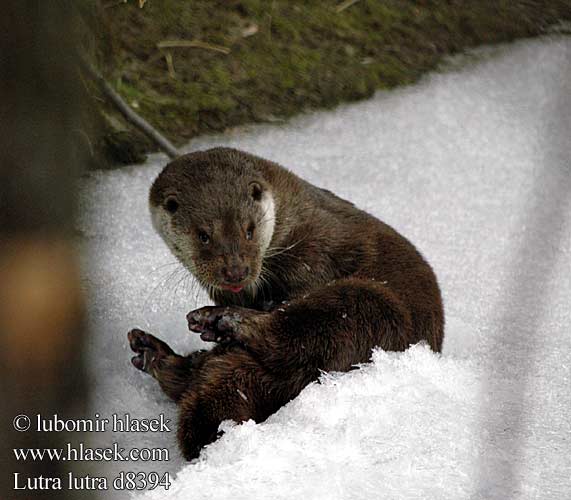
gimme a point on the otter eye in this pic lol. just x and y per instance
(171, 205)
(203, 237)
(250, 233)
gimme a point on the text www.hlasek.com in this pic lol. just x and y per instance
(83, 453)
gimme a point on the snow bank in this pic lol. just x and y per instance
(474, 167)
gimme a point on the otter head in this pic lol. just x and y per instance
(216, 214)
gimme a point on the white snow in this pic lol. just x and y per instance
(474, 166)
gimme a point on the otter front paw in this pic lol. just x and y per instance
(216, 324)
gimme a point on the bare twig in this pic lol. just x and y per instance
(250, 30)
(162, 142)
(170, 64)
(345, 5)
(171, 44)
(123, 2)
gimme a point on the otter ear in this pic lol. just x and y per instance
(255, 189)
(171, 204)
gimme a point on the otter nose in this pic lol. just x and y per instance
(235, 274)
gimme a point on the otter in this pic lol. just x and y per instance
(302, 281)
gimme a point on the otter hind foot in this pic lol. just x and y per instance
(149, 349)
(173, 372)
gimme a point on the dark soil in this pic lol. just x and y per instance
(261, 60)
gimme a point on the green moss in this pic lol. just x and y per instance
(289, 56)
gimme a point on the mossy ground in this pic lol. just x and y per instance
(287, 56)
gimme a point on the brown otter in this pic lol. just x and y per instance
(303, 281)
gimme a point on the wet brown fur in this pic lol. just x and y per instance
(337, 282)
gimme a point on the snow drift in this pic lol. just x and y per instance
(474, 167)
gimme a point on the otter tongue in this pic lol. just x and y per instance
(235, 289)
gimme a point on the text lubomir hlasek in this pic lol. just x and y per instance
(117, 423)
